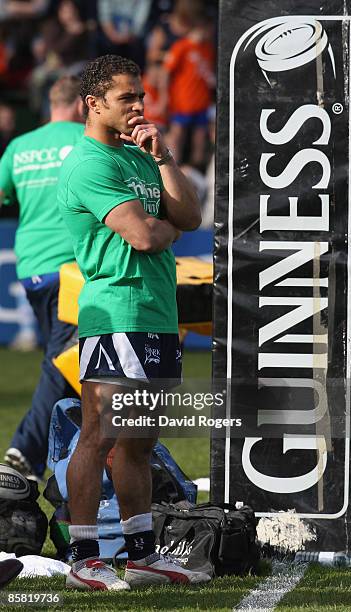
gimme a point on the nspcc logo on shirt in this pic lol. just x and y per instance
(147, 193)
(40, 159)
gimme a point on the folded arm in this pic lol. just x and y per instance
(142, 231)
(179, 198)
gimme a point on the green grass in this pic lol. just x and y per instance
(323, 589)
(193, 454)
(220, 595)
(19, 374)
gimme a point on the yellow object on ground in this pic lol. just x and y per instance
(68, 364)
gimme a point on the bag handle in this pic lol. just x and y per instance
(162, 522)
(222, 505)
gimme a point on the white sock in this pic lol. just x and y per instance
(83, 532)
(137, 523)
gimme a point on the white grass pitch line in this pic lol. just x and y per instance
(268, 594)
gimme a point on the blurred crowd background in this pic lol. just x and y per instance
(173, 41)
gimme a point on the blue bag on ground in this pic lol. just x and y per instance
(169, 483)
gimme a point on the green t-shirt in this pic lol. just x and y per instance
(125, 290)
(29, 170)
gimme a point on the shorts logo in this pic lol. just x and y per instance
(152, 355)
(152, 336)
(178, 355)
(103, 351)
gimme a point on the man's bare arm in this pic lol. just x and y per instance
(179, 197)
(143, 232)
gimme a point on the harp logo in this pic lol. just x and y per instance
(290, 45)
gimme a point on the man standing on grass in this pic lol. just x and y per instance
(29, 172)
(112, 196)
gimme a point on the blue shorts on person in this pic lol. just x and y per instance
(132, 355)
(190, 119)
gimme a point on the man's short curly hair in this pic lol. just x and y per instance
(97, 75)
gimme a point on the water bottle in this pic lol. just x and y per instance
(340, 559)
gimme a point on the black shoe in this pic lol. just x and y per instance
(9, 569)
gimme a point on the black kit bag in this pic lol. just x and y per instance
(23, 524)
(214, 539)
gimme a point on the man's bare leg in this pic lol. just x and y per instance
(84, 476)
(131, 473)
(84, 473)
(132, 480)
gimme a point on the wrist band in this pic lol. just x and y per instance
(164, 159)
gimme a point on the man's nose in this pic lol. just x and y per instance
(138, 105)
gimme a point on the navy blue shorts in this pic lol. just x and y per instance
(135, 355)
(191, 119)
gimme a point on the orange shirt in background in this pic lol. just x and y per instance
(191, 67)
(152, 111)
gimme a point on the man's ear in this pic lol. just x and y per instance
(93, 104)
(80, 108)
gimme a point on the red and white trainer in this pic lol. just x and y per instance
(161, 569)
(94, 575)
